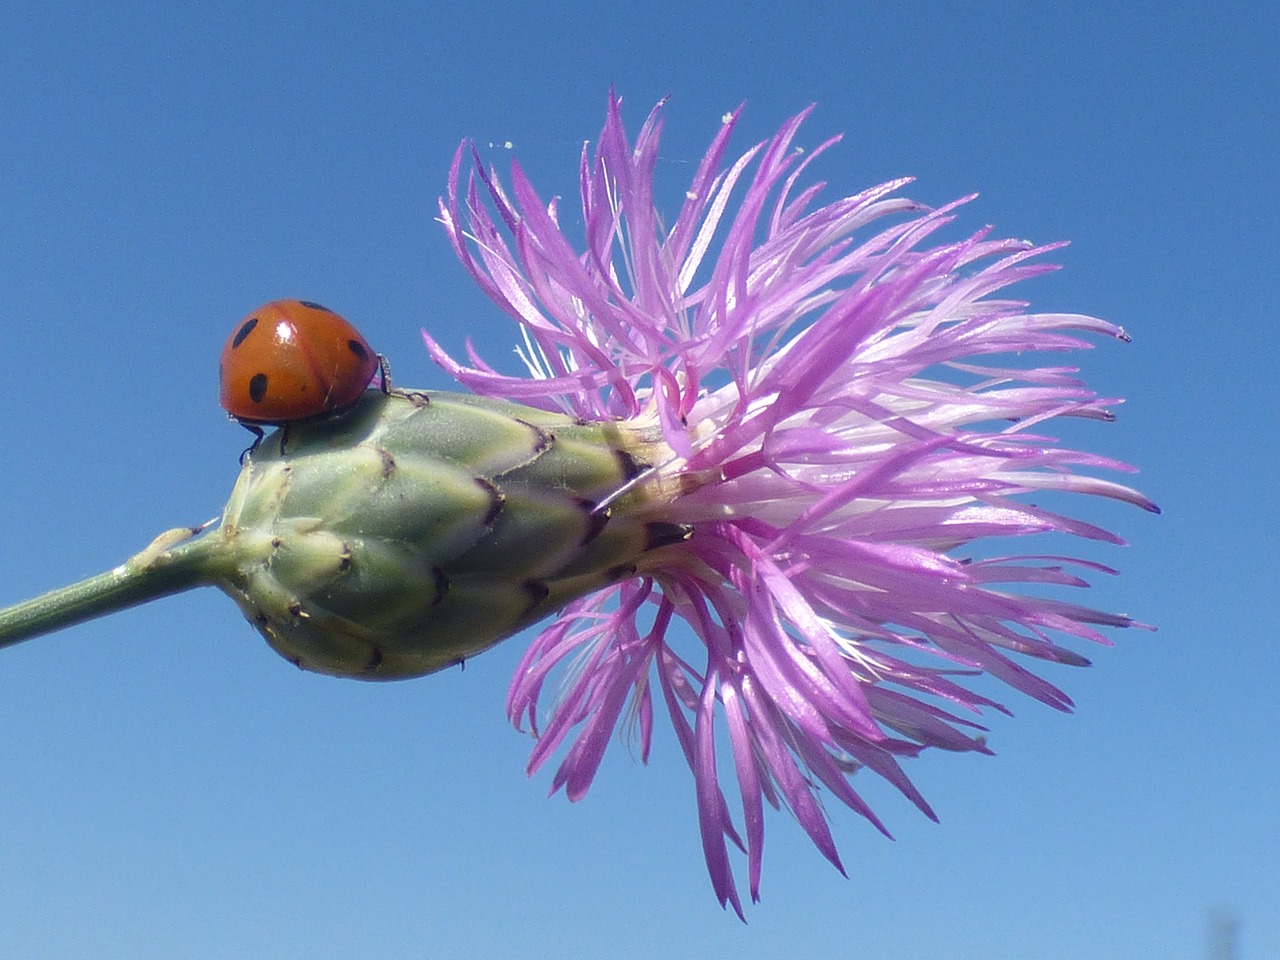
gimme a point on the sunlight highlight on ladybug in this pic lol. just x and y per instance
(292, 360)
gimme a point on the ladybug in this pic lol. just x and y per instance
(294, 360)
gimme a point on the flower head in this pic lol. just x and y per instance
(845, 429)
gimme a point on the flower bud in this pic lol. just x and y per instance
(417, 530)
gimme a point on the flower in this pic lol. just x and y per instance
(846, 433)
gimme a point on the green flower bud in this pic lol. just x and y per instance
(403, 535)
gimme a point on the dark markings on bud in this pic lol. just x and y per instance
(375, 660)
(546, 440)
(388, 463)
(440, 580)
(417, 397)
(296, 611)
(543, 441)
(662, 534)
(597, 520)
(344, 558)
(276, 543)
(537, 591)
(496, 502)
(629, 465)
(260, 619)
(621, 572)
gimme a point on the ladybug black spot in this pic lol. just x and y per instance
(258, 387)
(356, 347)
(315, 306)
(244, 331)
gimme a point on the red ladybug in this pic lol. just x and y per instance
(293, 360)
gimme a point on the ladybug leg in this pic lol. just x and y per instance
(384, 374)
(257, 439)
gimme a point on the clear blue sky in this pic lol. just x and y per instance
(170, 788)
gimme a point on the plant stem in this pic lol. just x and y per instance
(174, 562)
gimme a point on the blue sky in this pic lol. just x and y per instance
(171, 788)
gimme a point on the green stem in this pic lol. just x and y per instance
(174, 562)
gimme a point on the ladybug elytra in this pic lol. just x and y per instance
(293, 360)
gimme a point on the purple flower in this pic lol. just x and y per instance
(847, 432)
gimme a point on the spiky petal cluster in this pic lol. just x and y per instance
(819, 372)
